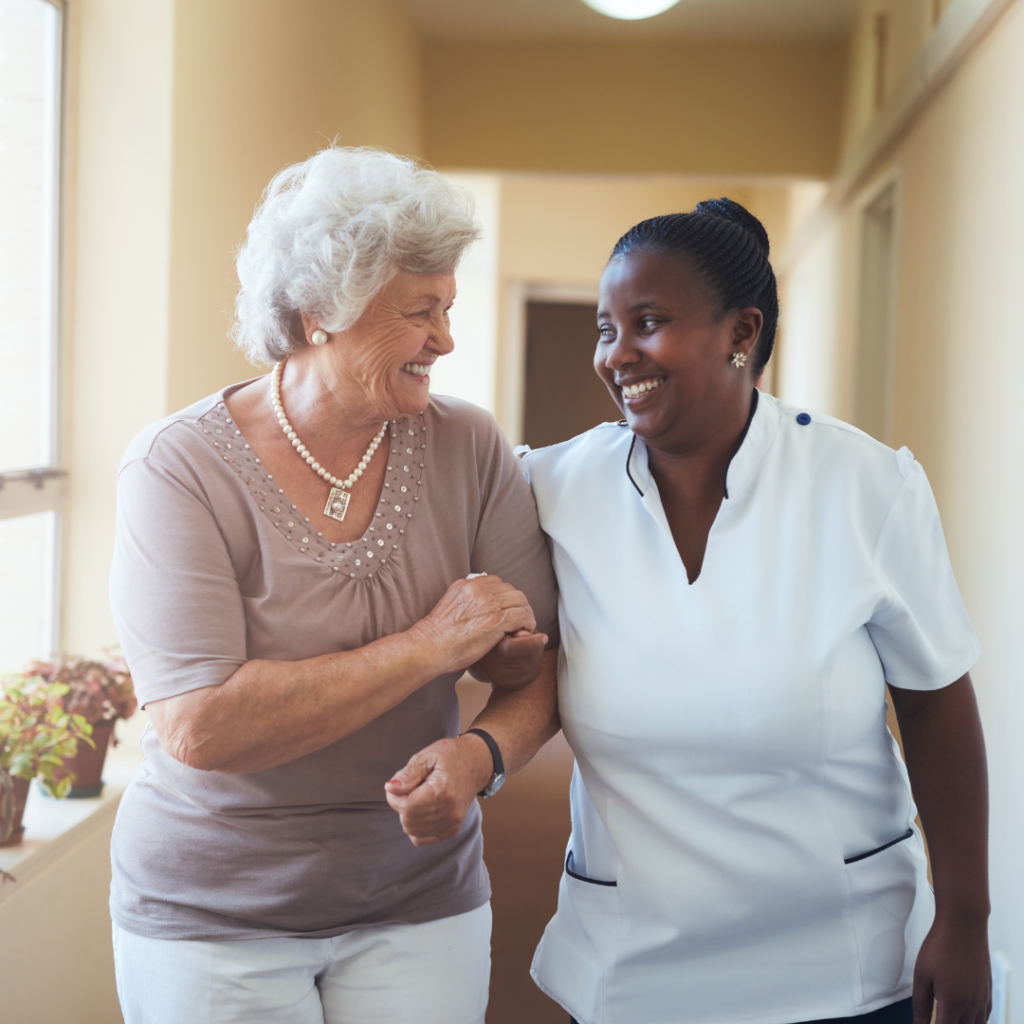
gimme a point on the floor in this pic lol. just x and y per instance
(526, 827)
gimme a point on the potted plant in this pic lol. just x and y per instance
(36, 735)
(101, 692)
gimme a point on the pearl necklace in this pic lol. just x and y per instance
(338, 499)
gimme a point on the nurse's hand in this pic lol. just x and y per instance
(954, 973)
(514, 662)
(433, 792)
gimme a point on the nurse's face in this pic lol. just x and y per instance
(665, 353)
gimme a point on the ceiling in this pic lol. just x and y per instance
(729, 19)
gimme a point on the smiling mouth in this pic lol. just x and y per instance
(418, 369)
(640, 388)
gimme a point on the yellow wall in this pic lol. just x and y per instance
(960, 264)
(560, 229)
(687, 107)
(117, 245)
(909, 23)
(56, 955)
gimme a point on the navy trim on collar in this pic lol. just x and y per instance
(629, 459)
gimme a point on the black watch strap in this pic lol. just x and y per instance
(499, 764)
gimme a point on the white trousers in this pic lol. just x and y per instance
(433, 973)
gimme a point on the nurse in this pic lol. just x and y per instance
(739, 580)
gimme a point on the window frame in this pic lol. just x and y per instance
(26, 492)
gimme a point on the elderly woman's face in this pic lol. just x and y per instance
(389, 351)
(664, 353)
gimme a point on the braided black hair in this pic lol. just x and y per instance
(729, 248)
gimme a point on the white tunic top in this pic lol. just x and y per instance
(743, 846)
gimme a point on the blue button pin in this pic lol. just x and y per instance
(803, 419)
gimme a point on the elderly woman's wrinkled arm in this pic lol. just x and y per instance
(271, 712)
(433, 792)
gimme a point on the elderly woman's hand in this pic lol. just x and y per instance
(433, 792)
(472, 618)
(514, 662)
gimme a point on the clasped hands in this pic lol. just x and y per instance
(490, 629)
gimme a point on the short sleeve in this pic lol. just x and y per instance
(922, 634)
(509, 541)
(173, 591)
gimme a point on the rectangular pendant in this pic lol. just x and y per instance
(337, 504)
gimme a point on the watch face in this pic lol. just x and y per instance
(497, 781)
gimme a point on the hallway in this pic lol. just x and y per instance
(874, 140)
(526, 827)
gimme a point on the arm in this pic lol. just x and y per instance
(509, 542)
(945, 752)
(433, 792)
(270, 712)
(514, 663)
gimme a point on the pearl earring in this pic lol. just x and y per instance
(319, 337)
(739, 359)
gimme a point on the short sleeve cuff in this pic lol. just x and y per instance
(939, 682)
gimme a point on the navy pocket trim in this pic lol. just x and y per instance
(864, 856)
(583, 878)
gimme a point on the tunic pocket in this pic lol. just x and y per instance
(578, 944)
(891, 909)
(878, 849)
(582, 878)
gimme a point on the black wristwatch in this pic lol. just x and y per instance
(497, 780)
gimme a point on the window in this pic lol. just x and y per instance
(31, 482)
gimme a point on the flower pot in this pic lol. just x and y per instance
(87, 764)
(20, 796)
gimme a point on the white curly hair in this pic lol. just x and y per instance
(330, 232)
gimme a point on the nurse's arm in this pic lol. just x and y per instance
(435, 790)
(945, 754)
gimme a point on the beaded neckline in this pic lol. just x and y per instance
(381, 543)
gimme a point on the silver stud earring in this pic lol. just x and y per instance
(739, 359)
(319, 337)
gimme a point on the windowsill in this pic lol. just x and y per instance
(54, 827)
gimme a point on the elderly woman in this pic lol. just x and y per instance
(292, 588)
(738, 581)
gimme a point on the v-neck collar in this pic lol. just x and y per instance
(762, 425)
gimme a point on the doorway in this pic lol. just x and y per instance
(563, 395)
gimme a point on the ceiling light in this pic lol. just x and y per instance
(630, 10)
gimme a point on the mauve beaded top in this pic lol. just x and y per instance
(214, 566)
